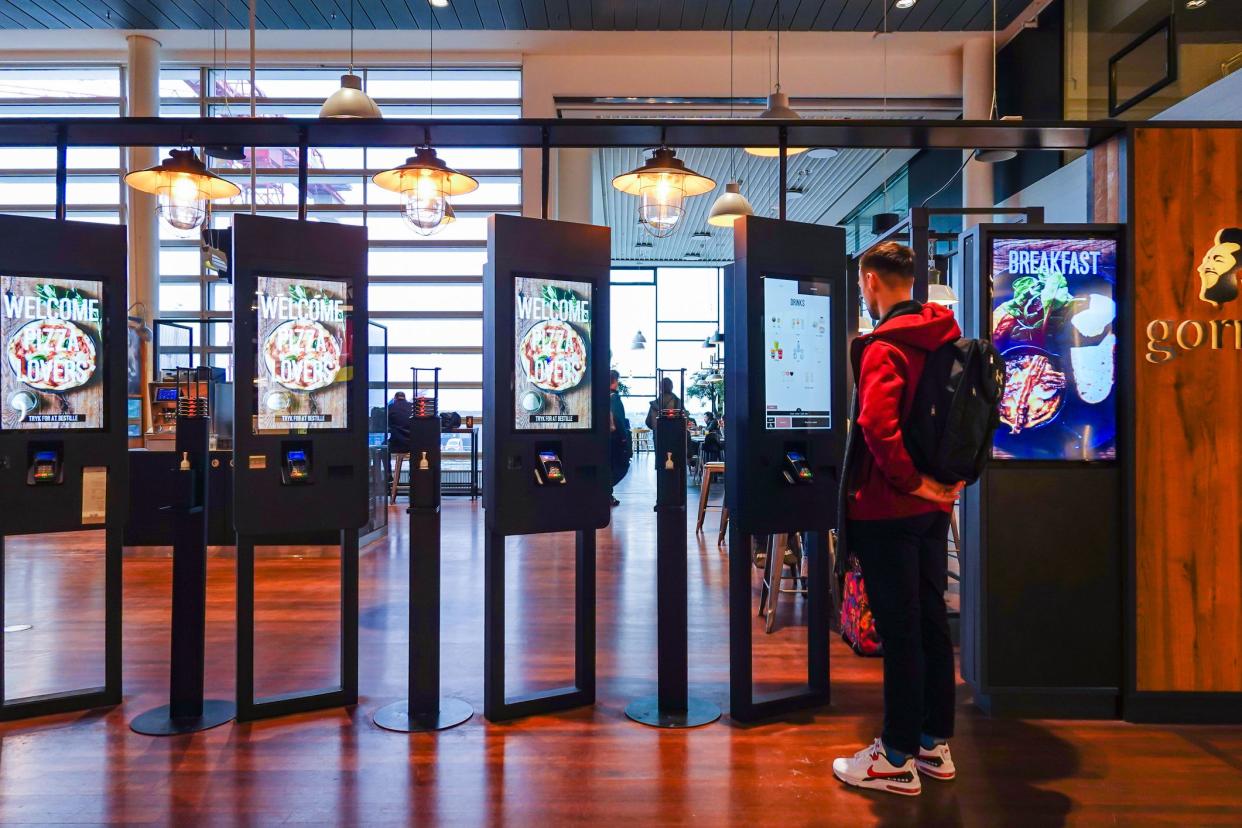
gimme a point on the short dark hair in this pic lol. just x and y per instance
(400, 395)
(891, 261)
(666, 385)
(1231, 235)
(614, 375)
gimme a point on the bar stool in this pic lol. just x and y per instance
(773, 575)
(400, 457)
(710, 471)
(642, 440)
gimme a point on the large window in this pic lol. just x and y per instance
(675, 309)
(28, 174)
(426, 291)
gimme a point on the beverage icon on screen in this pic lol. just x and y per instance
(776, 351)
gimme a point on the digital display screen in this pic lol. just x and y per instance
(298, 456)
(45, 457)
(133, 409)
(304, 363)
(166, 394)
(552, 354)
(1053, 317)
(797, 358)
(51, 373)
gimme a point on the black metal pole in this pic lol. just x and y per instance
(187, 711)
(783, 165)
(62, 174)
(425, 709)
(672, 706)
(544, 171)
(303, 167)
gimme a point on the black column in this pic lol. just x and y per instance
(672, 705)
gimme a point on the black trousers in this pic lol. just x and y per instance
(905, 571)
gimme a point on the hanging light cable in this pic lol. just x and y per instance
(730, 205)
(778, 102)
(350, 101)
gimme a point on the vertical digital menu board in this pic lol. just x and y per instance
(51, 373)
(303, 364)
(552, 349)
(797, 356)
(1053, 315)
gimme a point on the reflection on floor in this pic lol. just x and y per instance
(590, 765)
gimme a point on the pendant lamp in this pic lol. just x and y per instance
(994, 156)
(730, 205)
(184, 187)
(425, 183)
(639, 343)
(662, 184)
(350, 101)
(778, 103)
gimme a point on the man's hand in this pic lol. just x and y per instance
(937, 492)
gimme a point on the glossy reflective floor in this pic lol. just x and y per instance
(587, 766)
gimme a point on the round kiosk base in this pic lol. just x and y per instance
(396, 716)
(157, 722)
(698, 712)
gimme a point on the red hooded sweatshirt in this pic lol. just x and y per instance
(882, 476)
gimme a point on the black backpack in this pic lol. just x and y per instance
(956, 408)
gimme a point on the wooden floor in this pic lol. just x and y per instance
(589, 766)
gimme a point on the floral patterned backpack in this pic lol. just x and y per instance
(857, 622)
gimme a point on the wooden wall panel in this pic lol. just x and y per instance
(1188, 415)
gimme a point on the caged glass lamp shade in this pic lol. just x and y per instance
(425, 183)
(662, 184)
(184, 186)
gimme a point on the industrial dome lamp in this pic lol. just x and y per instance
(662, 183)
(350, 101)
(730, 205)
(184, 186)
(778, 108)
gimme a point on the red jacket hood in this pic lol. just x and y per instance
(928, 329)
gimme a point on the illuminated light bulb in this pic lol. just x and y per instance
(182, 204)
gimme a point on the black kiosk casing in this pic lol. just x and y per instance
(36, 247)
(520, 495)
(311, 479)
(760, 498)
(1041, 553)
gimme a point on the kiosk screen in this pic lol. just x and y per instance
(552, 354)
(797, 353)
(50, 373)
(1053, 316)
(304, 361)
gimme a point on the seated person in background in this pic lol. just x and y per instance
(713, 442)
(399, 413)
(666, 400)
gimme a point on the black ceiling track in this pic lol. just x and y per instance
(533, 132)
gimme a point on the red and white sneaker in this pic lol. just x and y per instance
(936, 763)
(870, 769)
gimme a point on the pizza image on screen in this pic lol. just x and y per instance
(302, 355)
(52, 355)
(554, 356)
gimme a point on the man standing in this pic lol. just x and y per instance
(620, 447)
(667, 401)
(897, 526)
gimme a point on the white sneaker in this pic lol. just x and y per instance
(936, 763)
(870, 769)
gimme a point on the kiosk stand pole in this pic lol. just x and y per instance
(672, 706)
(426, 709)
(187, 711)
